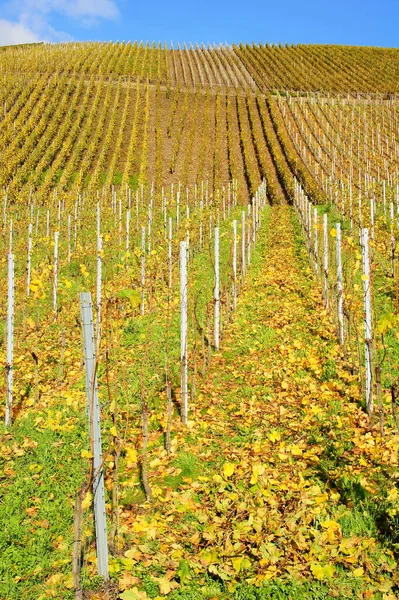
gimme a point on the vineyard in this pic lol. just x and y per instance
(200, 322)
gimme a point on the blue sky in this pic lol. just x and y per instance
(351, 22)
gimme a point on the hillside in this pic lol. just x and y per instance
(233, 212)
(166, 114)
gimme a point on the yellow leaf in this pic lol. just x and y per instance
(133, 594)
(319, 572)
(113, 431)
(228, 469)
(87, 500)
(358, 572)
(131, 455)
(237, 562)
(274, 436)
(333, 525)
(333, 232)
(295, 450)
(365, 277)
(257, 470)
(30, 323)
(329, 570)
(86, 454)
(392, 494)
(166, 586)
(322, 498)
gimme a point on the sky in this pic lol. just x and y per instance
(353, 22)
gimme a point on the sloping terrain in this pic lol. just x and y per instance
(121, 163)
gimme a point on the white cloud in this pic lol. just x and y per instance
(16, 33)
(97, 9)
(32, 18)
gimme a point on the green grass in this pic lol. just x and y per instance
(281, 589)
(36, 504)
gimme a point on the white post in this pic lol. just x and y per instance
(98, 288)
(10, 238)
(393, 242)
(149, 225)
(350, 204)
(325, 258)
(216, 295)
(340, 297)
(98, 222)
(372, 215)
(142, 269)
(183, 331)
(248, 243)
(170, 256)
(95, 434)
(69, 239)
(178, 210)
(5, 211)
(120, 217)
(243, 257)
(10, 339)
(384, 199)
(75, 225)
(234, 262)
(367, 319)
(127, 230)
(200, 225)
(28, 266)
(55, 281)
(316, 240)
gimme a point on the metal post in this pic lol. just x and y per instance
(28, 266)
(216, 295)
(142, 270)
(367, 319)
(98, 287)
(55, 281)
(243, 258)
(234, 263)
(340, 298)
(95, 434)
(10, 339)
(325, 258)
(170, 256)
(183, 331)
